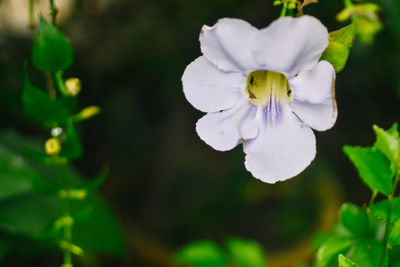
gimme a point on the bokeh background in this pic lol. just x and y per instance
(165, 186)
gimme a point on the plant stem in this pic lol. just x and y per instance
(299, 8)
(67, 236)
(31, 4)
(389, 213)
(53, 12)
(284, 9)
(59, 81)
(50, 85)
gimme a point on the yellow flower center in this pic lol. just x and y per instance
(265, 87)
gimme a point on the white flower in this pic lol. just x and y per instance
(266, 89)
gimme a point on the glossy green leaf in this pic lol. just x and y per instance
(354, 219)
(332, 247)
(345, 262)
(52, 51)
(39, 106)
(368, 253)
(340, 43)
(388, 143)
(246, 253)
(71, 147)
(373, 167)
(394, 237)
(380, 209)
(202, 254)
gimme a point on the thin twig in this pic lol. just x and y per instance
(53, 12)
(388, 218)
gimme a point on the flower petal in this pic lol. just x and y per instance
(227, 44)
(209, 89)
(226, 129)
(313, 96)
(281, 150)
(290, 45)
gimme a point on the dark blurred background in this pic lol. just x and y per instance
(165, 185)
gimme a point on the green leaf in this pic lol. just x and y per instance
(332, 247)
(373, 167)
(15, 174)
(51, 51)
(202, 254)
(71, 148)
(388, 142)
(368, 253)
(93, 184)
(394, 256)
(354, 219)
(29, 214)
(100, 231)
(380, 209)
(345, 262)
(340, 43)
(246, 253)
(39, 106)
(394, 237)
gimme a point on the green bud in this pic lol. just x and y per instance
(292, 5)
(277, 3)
(75, 194)
(87, 113)
(74, 249)
(65, 221)
(365, 19)
(344, 14)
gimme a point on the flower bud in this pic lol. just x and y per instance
(292, 5)
(87, 113)
(76, 194)
(52, 146)
(277, 3)
(64, 221)
(73, 86)
(71, 247)
(55, 132)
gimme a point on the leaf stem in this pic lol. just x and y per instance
(371, 201)
(53, 12)
(60, 82)
(50, 85)
(389, 213)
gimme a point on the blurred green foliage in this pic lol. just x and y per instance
(25, 213)
(239, 252)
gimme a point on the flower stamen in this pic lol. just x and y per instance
(264, 87)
